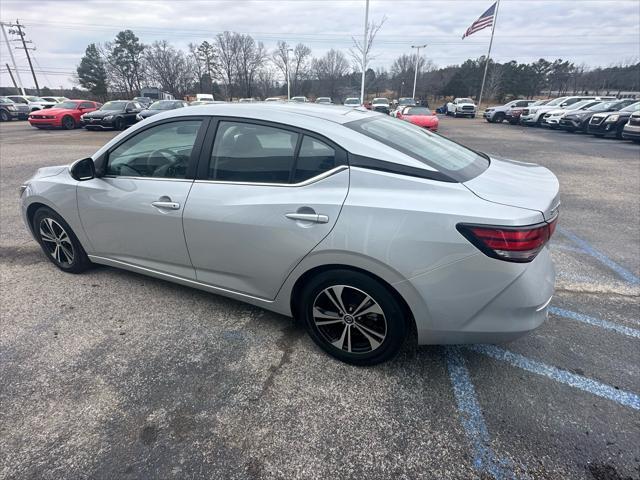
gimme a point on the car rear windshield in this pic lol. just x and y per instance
(455, 161)
(163, 105)
(406, 101)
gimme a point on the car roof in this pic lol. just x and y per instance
(276, 111)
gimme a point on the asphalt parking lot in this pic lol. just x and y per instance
(112, 375)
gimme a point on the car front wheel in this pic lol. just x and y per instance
(68, 123)
(353, 317)
(59, 242)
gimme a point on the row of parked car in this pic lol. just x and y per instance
(596, 115)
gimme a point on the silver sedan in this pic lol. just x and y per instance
(363, 227)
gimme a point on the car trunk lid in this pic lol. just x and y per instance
(518, 184)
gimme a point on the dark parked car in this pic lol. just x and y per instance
(21, 109)
(118, 114)
(611, 124)
(8, 110)
(579, 120)
(159, 107)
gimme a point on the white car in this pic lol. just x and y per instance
(273, 99)
(352, 102)
(299, 99)
(462, 107)
(535, 115)
(552, 119)
(33, 102)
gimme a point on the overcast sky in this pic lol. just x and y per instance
(595, 32)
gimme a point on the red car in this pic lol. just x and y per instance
(64, 115)
(420, 116)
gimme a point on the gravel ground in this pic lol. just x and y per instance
(111, 374)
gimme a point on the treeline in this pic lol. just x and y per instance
(235, 65)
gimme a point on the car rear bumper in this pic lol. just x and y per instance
(505, 302)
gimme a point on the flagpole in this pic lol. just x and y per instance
(486, 64)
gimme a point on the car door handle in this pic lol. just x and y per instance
(166, 205)
(308, 217)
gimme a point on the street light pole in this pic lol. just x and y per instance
(288, 75)
(365, 47)
(415, 74)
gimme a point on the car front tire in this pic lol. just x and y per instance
(353, 317)
(4, 116)
(68, 123)
(58, 242)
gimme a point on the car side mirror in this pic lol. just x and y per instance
(83, 169)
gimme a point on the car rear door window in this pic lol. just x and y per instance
(245, 152)
(315, 158)
(162, 151)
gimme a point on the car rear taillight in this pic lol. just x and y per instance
(513, 244)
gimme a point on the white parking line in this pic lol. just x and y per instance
(581, 317)
(621, 397)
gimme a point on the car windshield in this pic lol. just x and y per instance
(352, 101)
(36, 99)
(380, 101)
(163, 105)
(556, 101)
(458, 162)
(465, 100)
(601, 107)
(68, 105)
(539, 103)
(406, 101)
(579, 105)
(418, 111)
(113, 106)
(634, 107)
(5, 100)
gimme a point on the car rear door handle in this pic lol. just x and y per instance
(308, 217)
(166, 205)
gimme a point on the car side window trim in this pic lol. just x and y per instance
(102, 161)
(341, 157)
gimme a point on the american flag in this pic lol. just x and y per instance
(485, 20)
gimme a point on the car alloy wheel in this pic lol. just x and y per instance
(68, 123)
(349, 319)
(56, 241)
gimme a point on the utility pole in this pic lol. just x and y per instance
(13, 80)
(365, 48)
(13, 60)
(415, 74)
(20, 33)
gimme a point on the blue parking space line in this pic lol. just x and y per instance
(620, 270)
(621, 397)
(484, 458)
(581, 317)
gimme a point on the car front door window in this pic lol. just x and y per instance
(162, 151)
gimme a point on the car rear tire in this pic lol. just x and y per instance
(58, 242)
(4, 116)
(353, 317)
(68, 123)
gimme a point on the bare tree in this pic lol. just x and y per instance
(298, 63)
(250, 58)
(226, 47)
(329, 70)
(171, 68)
(361, 51)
